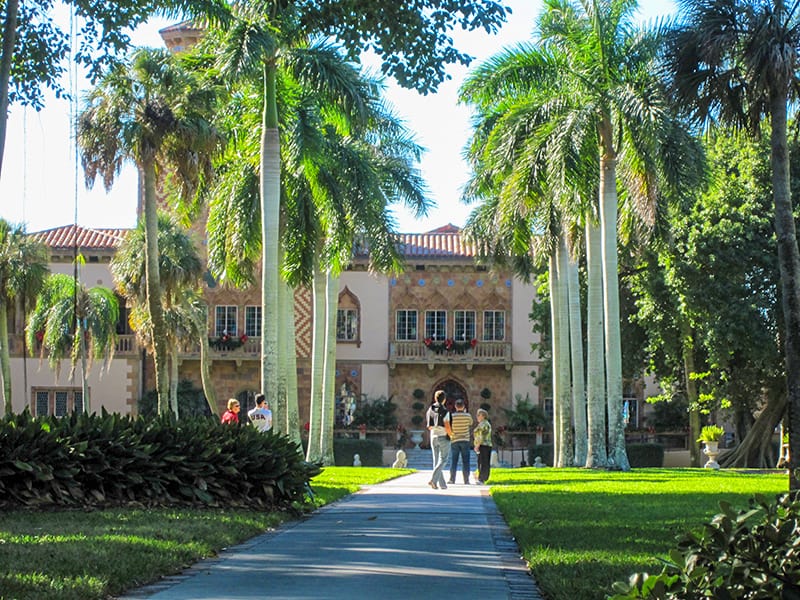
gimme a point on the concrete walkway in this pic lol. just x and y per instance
(397, 540)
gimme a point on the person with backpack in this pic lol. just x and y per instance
(438, 418)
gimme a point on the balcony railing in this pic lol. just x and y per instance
(234, 348)
(486, 353)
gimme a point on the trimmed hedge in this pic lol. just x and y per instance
(645, 455)
(110, 459)
(369, 451)
(639, 455)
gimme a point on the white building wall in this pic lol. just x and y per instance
(108, 389)
(522, 297)
(90, 274)
(375, 380)
(372, 292)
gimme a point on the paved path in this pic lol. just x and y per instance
(397, 540)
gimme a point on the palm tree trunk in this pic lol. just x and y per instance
(87, 404)
(597, 456)
(576, 354)
(562, 362)
(789, 265)
(153, 286)
(691, 393)
(329, 371)
(270, 190)
(9, 41)
(314, 452)
(279, 404)
(205, 367)
(5, 357)
(554, 350)
(608, 224)
(292, 406)
(173, 379)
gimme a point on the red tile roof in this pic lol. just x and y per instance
(441, 243)
(84, 237)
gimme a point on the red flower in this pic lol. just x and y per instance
(473, 342)
(39, 336)
(243, 338)
(362, 428)
(428, 341)
(225, 337)
(448, 344)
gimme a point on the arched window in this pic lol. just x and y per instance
(348, 321)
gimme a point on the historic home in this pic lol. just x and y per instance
(446, 323)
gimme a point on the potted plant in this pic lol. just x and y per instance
(710, 435)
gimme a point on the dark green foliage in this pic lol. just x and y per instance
(418, 393)
(645, 455)
(417, 420)
(486, 393)
(376, 414)
(369, 451)
(670, 415)
(191, 402)
(108, 460)
(418, 406)
(750, 554)
(525, 416)
(545, 451)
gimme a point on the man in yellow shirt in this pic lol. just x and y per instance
(461, 424)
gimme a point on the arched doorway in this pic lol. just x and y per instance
(453, 391)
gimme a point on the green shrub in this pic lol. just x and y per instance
(418, 406)
(110, 459)
(376, 414)
(369, 451)
(525, 416)
(750, 554)
(645, 455)
(545, 451)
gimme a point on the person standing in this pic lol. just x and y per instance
(231, 416)
(483, 445)
(438, 418)
(461, 423)
(260, 415)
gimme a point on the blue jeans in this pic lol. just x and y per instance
(459, 449)
(440, 447)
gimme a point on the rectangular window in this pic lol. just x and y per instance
(494, 325)
(405, 326)
(42, 403)
(252, 321)
(464, 325)
(57, 402)
(226, 317)
(61, 404)
(346, 324)
(436, 325)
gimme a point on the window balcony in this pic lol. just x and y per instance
(484, 353)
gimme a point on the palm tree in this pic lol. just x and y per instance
(23, 267)
(588, 92)
(348, 172)
(185, 312)
(154, 113)
(737, 61)
(74, 322)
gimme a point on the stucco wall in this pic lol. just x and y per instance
(114, 390)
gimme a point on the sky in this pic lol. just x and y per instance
(40, 182)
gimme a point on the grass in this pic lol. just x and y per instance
(581, 531)
(80, 555)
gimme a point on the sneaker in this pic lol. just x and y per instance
(451, 482)
(442, 486)
(433, 485)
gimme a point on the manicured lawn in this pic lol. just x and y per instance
(582, 530)
(78, 555)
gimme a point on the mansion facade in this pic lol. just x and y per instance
(447, 323)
